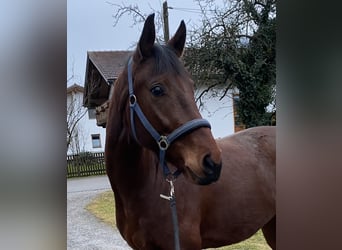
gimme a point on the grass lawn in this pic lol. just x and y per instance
(103, 208)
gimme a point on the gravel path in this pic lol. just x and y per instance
(84, 230)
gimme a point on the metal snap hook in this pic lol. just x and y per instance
(172, 191)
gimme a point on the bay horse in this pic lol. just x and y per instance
(225, 189)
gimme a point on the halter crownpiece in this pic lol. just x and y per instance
(163, 141)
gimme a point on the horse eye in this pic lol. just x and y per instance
(157, 90)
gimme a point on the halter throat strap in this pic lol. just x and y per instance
(163, 141)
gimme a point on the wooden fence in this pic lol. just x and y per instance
(85, 164)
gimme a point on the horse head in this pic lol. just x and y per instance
(165, 92)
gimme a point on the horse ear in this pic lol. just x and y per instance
(177, 42)
(146, 42)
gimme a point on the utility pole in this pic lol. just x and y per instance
(166, 22)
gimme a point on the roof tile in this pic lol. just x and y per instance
(109, 63)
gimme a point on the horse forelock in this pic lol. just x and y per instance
(166, 60)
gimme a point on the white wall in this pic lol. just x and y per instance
(219, 113)
(90, 127)
(86, 127)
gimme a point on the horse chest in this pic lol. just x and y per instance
(142, 226)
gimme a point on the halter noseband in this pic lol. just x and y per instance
(163, 141)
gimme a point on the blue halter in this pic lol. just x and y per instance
(163, 141)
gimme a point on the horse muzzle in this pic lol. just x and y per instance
(211, 172)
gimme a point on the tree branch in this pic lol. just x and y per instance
(130, 10)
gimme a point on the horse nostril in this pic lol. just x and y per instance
(208, 165)
(211, 169)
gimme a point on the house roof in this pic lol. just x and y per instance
(75, 88)
(102, 69)
(109, 63)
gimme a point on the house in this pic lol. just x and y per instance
(83, 134)
(103, 68)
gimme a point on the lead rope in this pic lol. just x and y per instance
(172, 199)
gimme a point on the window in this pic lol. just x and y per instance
(91, 113)
(96, 141)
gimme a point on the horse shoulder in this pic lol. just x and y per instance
(258, 139)
(250, 156)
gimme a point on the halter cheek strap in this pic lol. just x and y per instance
(163, 141)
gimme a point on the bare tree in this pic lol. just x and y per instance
(137, 15)
(75, 112)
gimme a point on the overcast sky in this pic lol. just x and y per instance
(90, 28)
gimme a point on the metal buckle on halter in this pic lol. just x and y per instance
(132, 100)
(163, 143)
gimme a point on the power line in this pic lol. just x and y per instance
(185, 9)
(191, 10)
